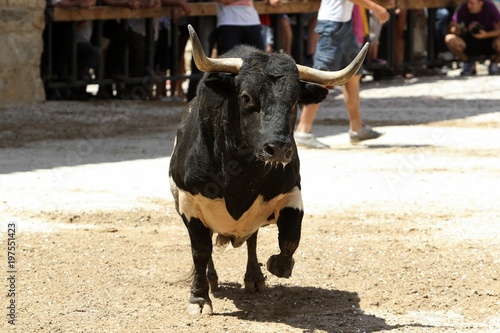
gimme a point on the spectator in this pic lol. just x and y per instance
(88, 56)
(286, 33)
(442, 24)
(399, 43)
(311, 38)
(133, 36)
(183, 37)
(163, 58)
(309, 21)
(61, 48)
(267, 31)
(358, 24)
(238, 22)
(475, 31)
(181, 11)
(206, 27)
(374, 39)
(337, 47)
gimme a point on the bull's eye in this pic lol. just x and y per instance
(246, 99)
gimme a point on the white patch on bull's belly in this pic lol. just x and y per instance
(214, 215)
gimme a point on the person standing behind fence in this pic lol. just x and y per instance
(128, 39)
(133, 37)
(238, 22)
(337, 47)
(164, 59)
(286, 34)
(374, 39)
(475, 31)
(442, 24)
(206, 27)
(61, 49)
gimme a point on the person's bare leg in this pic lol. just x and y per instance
(307, 118)
(353, 103)
(399, 46)
(373, 51)
(182, 67)
(312, 37)
(286, 35)
(303, 136)
(496, 47)
(357, 130)
(457, 46)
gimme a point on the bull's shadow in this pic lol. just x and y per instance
(308, 308)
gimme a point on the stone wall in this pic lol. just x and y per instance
(21, 45)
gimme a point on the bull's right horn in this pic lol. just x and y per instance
(335, 78)
(206, 64)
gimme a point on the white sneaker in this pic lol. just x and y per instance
(493, 69)
(308, 140)
(446, 56)
(366, 133)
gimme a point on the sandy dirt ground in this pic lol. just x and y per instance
(401, 234)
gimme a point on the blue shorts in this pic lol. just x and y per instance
(337, 46)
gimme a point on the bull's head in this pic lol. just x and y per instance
(266, 91)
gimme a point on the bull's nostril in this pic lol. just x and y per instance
(278, 152)
(269, 149)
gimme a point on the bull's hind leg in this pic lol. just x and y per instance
(201, 248)
(289, 226)
(254, 279)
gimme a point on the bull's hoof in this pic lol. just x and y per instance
(198, 305)
(255, 286)
(280, 266)
(214, 285)
(255, 281)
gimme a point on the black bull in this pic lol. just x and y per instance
(235, 166)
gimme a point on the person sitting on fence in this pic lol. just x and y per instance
(475, 32)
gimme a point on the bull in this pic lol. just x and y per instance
(235, 167)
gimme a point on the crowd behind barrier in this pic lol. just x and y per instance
(71, 73)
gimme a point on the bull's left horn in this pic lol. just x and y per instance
(206, 64)
(334, 78)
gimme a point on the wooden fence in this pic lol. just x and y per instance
(101, 13)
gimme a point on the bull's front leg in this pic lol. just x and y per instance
(201, 248)
(254, 279)
(213, 279)
(289, 226)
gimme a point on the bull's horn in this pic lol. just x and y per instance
(233, 65)
(206, 64)
(334, 78)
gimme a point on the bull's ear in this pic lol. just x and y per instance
(220, 83)
(311, 93)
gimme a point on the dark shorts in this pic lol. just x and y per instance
(478, 47)
(337, 45)
(162, 57)
(231, 35)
